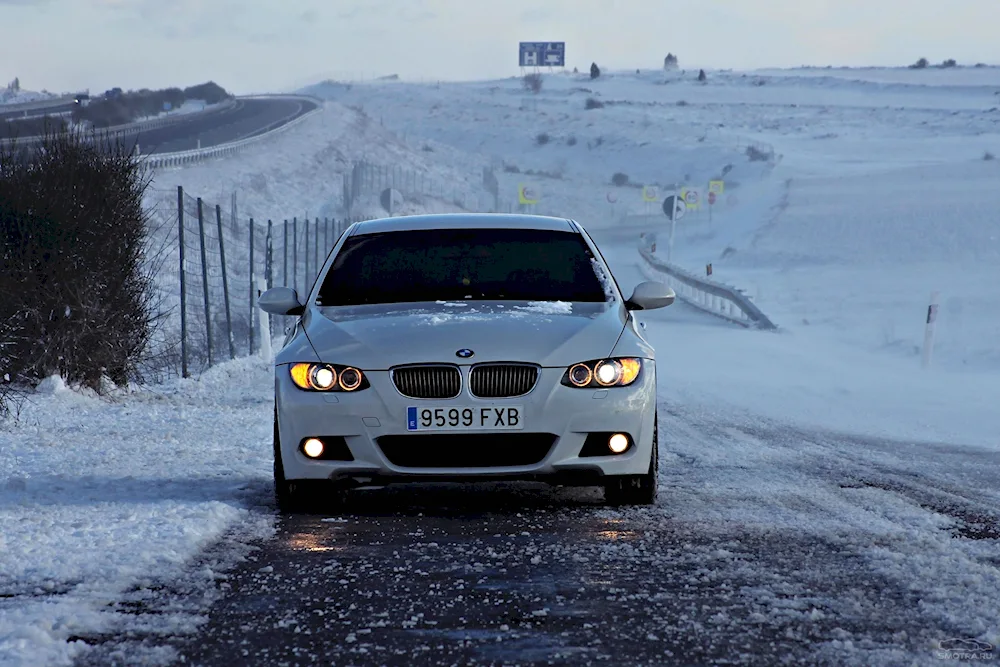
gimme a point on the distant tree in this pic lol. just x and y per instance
(670, 62)
(949, 63)
(17, 84)
(701, 75)
(920, 64)
(595, 71)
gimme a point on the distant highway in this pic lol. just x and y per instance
(35, 109)
(247, 118)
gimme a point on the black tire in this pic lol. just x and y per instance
(636, 489)
(294, 496)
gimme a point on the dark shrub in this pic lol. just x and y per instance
(592, 103)
(619, 179)
(76, 290)
(595, 71)
(542, 139)
(532, 82)
(949, 63)
(920, 64)
(758, 154)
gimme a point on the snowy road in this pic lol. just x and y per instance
(768, 545)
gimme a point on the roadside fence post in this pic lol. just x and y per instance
(180, 247)
(225, 282)
(253, 287)
(204, 280)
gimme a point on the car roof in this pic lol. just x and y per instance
(464, 221)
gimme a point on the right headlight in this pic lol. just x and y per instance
(602, 373)
(327, 377)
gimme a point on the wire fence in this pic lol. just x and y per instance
(388, 187)
(213, 266)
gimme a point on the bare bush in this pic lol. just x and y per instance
(542, 138)
(619, 179)
(757, 154)
(593, 103)
(532, 82)
(989, 156)
(76, 285)
(920, 64)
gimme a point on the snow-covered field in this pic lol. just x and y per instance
(879, 195)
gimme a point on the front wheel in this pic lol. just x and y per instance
(636, 489)
(294, 496)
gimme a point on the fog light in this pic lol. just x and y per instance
(618, 443)
(313, 448)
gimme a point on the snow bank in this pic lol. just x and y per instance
(99, 495)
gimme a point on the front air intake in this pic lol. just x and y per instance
(440, 381)
(506, 380)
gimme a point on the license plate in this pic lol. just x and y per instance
(504, 418)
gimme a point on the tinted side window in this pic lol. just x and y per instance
(460, 264)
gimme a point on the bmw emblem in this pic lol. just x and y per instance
(465, 353)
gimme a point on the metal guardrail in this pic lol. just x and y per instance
(714, 298)
(181, 158)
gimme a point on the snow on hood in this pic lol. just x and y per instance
(378, 337)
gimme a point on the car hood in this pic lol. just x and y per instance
(378, 337)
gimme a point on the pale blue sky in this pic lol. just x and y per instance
(267, 45)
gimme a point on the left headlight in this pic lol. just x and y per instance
(603, 373)
(328, 377)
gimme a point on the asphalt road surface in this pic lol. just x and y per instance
(33, 113)
(768, 545)
(248, 117)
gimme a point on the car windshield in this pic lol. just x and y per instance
(460, 264)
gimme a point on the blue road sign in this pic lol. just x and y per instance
(542, 54)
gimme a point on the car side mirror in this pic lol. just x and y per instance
(650, 295)
(280, 301)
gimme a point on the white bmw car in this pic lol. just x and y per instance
(465, 347)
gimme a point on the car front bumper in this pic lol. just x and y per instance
(368, 419)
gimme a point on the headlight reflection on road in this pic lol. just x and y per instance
(311, 542)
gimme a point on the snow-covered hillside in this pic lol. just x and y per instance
(877, 194)
(881, 190)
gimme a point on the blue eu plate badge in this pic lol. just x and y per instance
(411, 418)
